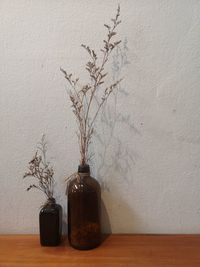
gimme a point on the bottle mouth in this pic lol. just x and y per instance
(85, 168)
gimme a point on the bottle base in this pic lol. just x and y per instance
(85, 247)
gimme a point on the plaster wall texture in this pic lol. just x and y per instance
(147, 157)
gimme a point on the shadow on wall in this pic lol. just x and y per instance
(114, 153)
(64, 223)
(105, 221)
(114, 157)
(62, 198)
(117, 215)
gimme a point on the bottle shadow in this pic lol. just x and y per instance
(117, 211)
(114, 157)
(105, 222)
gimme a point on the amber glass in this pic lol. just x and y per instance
(50, 224)
(84, 210)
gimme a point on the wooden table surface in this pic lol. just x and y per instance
(116, 250)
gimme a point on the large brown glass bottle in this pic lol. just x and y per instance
(84, 210)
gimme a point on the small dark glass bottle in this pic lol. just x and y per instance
(84, 210)
(50, 223)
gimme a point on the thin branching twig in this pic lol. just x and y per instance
(40, 169)
(82, 99)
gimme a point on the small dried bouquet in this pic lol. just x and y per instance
(87, 100)
(40, 169)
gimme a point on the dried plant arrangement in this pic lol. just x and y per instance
(40, 169)
(84, 98)
(50, 216)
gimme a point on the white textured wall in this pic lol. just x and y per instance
(150, 171)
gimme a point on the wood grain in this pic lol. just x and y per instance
(116, 250)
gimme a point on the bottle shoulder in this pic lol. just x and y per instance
(52, 208)
(87, 183)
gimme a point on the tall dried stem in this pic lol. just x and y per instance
(82, 99)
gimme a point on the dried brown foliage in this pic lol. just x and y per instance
(82, 99)
(39, 168)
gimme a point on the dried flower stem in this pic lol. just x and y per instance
(82, 99)
(39, 168)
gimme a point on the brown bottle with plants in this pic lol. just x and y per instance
(84, 194)
(50, 216)
(84, 210)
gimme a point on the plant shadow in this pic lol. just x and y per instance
(114, 157)
(113, 153)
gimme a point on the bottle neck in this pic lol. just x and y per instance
(51, 200)
(83, 168)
